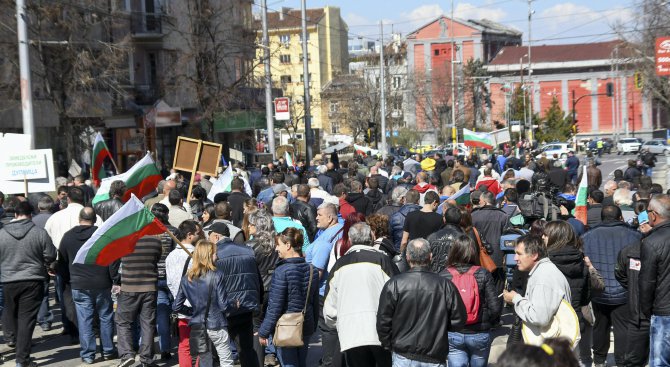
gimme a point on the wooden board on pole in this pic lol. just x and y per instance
(210, 158)
(196, 156)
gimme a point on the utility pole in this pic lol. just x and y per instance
(24, 65)
(305, 58)
(382, 86)
(454, 130)
(269, 119)
(530, 75)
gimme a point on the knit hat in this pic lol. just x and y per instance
(428, 164)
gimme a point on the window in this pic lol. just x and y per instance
(333, 107)
(334, 127)
(285, 39)
(285, 79)
(397, 81)
(309, 57)
(285, 59)
(397, 104)
(307, 39)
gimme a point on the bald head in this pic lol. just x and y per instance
(87, 216)
(169, 186)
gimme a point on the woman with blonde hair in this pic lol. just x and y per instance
(250, 206)
(204, 289)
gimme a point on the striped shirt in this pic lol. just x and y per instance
(139, 270)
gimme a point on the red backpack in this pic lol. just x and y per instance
(467, 286)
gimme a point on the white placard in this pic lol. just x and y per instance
(30, 165)
(282, 109)
(47, 184)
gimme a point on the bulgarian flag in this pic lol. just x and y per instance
(117, 237)
(580, 203)
(462, 196)
(141, 179)
(222, 184)
(100, 152)
(289, 160)
(477, 140)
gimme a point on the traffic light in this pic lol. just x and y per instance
(638, 80)
(371, 124)
(610, 89)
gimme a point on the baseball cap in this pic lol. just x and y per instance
(220, 228)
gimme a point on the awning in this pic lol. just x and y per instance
(240, 121)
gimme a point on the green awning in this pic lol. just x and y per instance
(240, 121)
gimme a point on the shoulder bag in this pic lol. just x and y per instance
(198, 341)
(288, 331)
(485, 259)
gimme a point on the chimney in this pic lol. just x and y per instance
(284, 11)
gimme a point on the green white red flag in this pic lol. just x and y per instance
(141, 179)
(119, 234)
(100, 152)
(477, 140)
(580, 202)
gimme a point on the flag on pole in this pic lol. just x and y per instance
(289, 160)
(141, 179)
(462, 196)
(100, 152)
(222, 184)
(580, 203)
(223, 161)
(117, 237)
(477, 140)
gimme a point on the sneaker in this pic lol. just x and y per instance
(46, 327)
(126, 362)
(109, 357)
(166, 356)
(88, 360)
(271, 360)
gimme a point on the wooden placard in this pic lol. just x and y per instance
(210, 157)
(186, 154)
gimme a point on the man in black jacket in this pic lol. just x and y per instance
(358, 200)
(490, 222)
(106, 208)
(91, 289)
(440, 241)
(304, 212)
(655, 279)
(419, 336)
(236, 200)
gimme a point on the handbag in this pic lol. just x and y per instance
(174, 316)
(485, 260)
(288, 331)
(199, 340)
(564, 324)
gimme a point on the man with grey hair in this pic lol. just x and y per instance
(282, 219)
(397, 201)
(148, 203)
(624, 200)
(608, 189)
(655, 279)
(325, 181)
(316, 194)
(351, 305)
(419, 337)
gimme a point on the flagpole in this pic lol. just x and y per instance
(179, 242)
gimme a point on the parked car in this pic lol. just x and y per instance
(560, 149)
(657, 146)
(628, 145)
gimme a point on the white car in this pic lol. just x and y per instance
(657, 146)
(560, 149)
(627, 145)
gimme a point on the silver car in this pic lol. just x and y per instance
(657, 146)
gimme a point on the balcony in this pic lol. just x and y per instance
(146, 25)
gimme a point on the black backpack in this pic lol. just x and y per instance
(538, 205)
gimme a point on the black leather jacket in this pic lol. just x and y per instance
(655, 272)
(627, 273)
(420, 336)
(106, 208)
(306, 214)
(440, 243)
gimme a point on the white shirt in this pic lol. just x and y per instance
(64, 220)
(174, 266)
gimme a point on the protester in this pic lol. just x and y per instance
(351, 306)
(106, 208)
(204, 287)
(419, 338)
(177, 212)
(422, 223)
(282, 220)
(236, 199)
(442, 240)
(361, 203)
(490, 223)
(471, 345)
(222, 212)
(304, 212)
(164, 297)
(25, 253)
(397, 200)
(397, 221)
(91, 290)
(379, 225)
(293, 289)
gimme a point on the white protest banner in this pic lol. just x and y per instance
(30, 165)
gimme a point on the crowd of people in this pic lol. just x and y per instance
(392, 262)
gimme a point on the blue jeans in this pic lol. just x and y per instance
(293, 357)
(659, 353)
(400, 361)
(469, 349)
(163, 310)
(68, 326)
(87, 302)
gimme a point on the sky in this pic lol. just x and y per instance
(554, 21)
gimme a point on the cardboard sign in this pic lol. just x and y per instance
(210, 156)
(196, 156)
(30, 165)
(45, 184)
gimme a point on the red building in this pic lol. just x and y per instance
(558, 71)
(429, 55)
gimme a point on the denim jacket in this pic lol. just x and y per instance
(196, 293)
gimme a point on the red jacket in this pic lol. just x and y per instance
(423, 189)
(491, 184)
(346, 208)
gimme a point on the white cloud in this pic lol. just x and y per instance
(422, 15)
(573, 15)
(353, 20)
(469, 11)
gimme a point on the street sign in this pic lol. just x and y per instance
(663, 56)
(282, 108)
